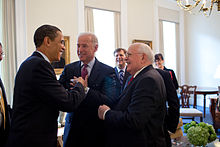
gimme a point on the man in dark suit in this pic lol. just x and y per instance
(137, 120)
(4, 110)
(172, 116)
(159, 61)
(38, 95)
(120, 69)
(83, 128)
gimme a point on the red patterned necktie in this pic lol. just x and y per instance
(130, 80)
(84, 71)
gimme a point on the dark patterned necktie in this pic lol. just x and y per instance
(130, 80)
(121, 76)
(84, 71)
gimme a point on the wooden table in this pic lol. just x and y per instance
(204, 91)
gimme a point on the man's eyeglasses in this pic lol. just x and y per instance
(129, 54)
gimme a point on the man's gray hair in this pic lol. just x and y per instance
(144, 48)
(93, 37)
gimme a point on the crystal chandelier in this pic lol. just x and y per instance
(206, 5)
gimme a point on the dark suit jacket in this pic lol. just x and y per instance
(137, 120)
(86, 128)
(172, 116)
(126, 75)
(38, 97)
(173, 77)
(4, 130)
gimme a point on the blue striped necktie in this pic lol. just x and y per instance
(121, 76)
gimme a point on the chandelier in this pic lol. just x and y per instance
(206, 5)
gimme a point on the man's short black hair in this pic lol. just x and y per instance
(45, 31)
(158, 56)
(120, 49)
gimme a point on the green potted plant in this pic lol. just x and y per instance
(200, 134)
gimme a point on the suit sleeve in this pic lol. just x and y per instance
(51, 92)
(141, 107)
(63, 78)
(175, 82)
(172, 117)
(107, 95)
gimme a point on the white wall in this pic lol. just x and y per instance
(62, 14)
(140, 20)
(202, 49)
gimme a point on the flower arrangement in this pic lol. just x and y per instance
(200, 134)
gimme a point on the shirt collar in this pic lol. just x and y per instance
(139, 71)
(121, 69)
(44, 56)
(90, 64)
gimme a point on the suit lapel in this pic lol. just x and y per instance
(94, 72)
(78, 69)
(116, 71)
(146, 69)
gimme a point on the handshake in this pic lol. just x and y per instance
(75, 80)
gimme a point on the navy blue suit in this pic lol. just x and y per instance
(173, 77)
(126, 75)
(137, 120)
(86, 129)
(38, 98)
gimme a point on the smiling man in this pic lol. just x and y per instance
(120, 69)
(82, 127)
(38, 96)
(137, 119)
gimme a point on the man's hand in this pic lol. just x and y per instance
(79, 79)
(102, 110)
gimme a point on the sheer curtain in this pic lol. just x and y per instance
(9, 61)
(89, 24)
(161, 49)
(89, 21)
(117, 29)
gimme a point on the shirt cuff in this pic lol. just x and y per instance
(86, 90)
(105, 113)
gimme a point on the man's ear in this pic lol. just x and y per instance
(47, 41)
(144, 58)
(96, 47)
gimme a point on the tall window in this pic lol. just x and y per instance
(169, 43)
(105, 31)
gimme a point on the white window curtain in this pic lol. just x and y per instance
(89, 21)
(117, 30)
(161, 49)
(9, 62)
(89, 24)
